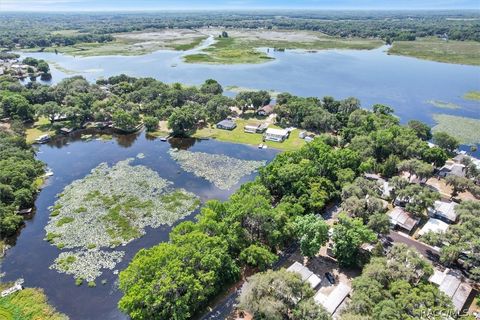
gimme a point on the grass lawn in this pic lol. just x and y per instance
(28, 304)
(466, 130)
(472, 95)
(460, 52)
(39, 128)
(239, 136)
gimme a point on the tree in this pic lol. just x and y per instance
(174, 280)
(312, 233)
(151, 123)
(310, 310)
(257, 256)
(275, 295)
(422, 130)
(50, 110)
(348, 235)
(413, 166)
(418, 198)
(125, 120)
(435, 155)
(396, 287)
(182, 122)
(17, 106)
(445, 141)
(43, 66)
(380, 223)
(211, 87)
(458, 184)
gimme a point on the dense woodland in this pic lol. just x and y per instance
(42, 30)
(176, 279)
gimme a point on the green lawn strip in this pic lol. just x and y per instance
(472, 95)
(28, 304)
(466, 130)
(39, 128)
(238, 135)
(459, 52)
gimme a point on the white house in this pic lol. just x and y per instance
(305, 273)
(434, 225)
(277, 135)
(450, 282)
(444, 211)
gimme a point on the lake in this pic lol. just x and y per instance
(404, 83)
(73, 158)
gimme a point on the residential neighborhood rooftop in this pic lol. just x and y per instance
(434, 225)
(451, 284)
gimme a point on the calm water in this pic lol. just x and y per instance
(370, 75)
(31, 257)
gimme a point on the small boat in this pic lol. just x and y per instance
(49, 173)
(163, 139)
(43, 139)
(260, 146)
(264, 146)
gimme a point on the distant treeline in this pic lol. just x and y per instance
(41, 30)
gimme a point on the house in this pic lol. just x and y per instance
(250, 128)
(332, 301)
(226, 124)
(402, 219)
(456, 169)
(306, 274)
(265, 110)
(444, 211)
(450, 282)
(278, 135)
(434, 225)
(253, 128)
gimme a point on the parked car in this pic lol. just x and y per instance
(330, 277)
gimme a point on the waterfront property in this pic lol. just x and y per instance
(277, 135)
(255, 128)
(226, 124)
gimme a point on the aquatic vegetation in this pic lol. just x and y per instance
(223, 171)
(110, 207)
(86, 264)
(466, 130)
(443, 104)
(472, 95)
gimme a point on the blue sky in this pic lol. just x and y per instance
(109, 5)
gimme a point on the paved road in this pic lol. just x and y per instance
(426, 250)
(225, 307)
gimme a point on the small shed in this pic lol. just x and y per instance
(402, 219)
(434, 225)
(277, 135)
(249, 128)
(226, 124)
